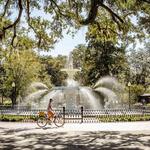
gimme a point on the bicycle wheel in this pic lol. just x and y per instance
(42, 121)
(59, 121)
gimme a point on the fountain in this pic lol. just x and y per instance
(72, 96)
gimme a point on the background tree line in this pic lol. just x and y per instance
(20, 68)
(113, 25)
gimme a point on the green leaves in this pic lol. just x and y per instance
(21, 67)
(48, 19)
(53, 66)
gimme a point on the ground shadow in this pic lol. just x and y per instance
(37, 139)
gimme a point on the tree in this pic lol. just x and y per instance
(62, 15)
(144, 20)
(78, 55)
(53, 68)
(139, 62)
(22, 68)
(100, 59)
(140, 65)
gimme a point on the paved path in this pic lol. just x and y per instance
(103, 136)
(120, 126)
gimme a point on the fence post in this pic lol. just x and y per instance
(1, 111)
(64, 114)
(143, 110)
(81, 114)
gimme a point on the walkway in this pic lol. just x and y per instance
(104, 136)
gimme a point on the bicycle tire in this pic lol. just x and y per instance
(42, 121)
(59, 121)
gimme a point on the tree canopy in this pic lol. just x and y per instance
(20, 68)
(58, 15)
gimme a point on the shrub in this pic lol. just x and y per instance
(123, 118)
(16, 118)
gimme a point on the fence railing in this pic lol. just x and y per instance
(78, 115)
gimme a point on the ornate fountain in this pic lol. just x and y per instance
(72, 96)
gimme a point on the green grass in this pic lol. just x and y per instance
(123, 118)
(17, 118)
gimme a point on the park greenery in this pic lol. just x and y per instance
(102, 118)
(114, 27)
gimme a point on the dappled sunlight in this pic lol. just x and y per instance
(49, 139)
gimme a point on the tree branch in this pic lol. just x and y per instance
(59, 10)
(28, 9)
(115, 17)
(5, 8)
(29, 22)
(70, 3)
(18, 18)
(111, 12)
(146, 1)
(15, 22)
(14, 36)
(92, 13)
(55, 11)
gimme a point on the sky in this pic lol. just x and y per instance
(68, 43)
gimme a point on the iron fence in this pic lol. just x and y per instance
(76, 116)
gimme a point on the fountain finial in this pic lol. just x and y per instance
(69, 67)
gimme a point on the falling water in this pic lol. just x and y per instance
(110, 99)
(38, 85)
(110, 83)
(71, 83)
(33, 98)
(54, 94)
(72, 96)
(91, 98)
